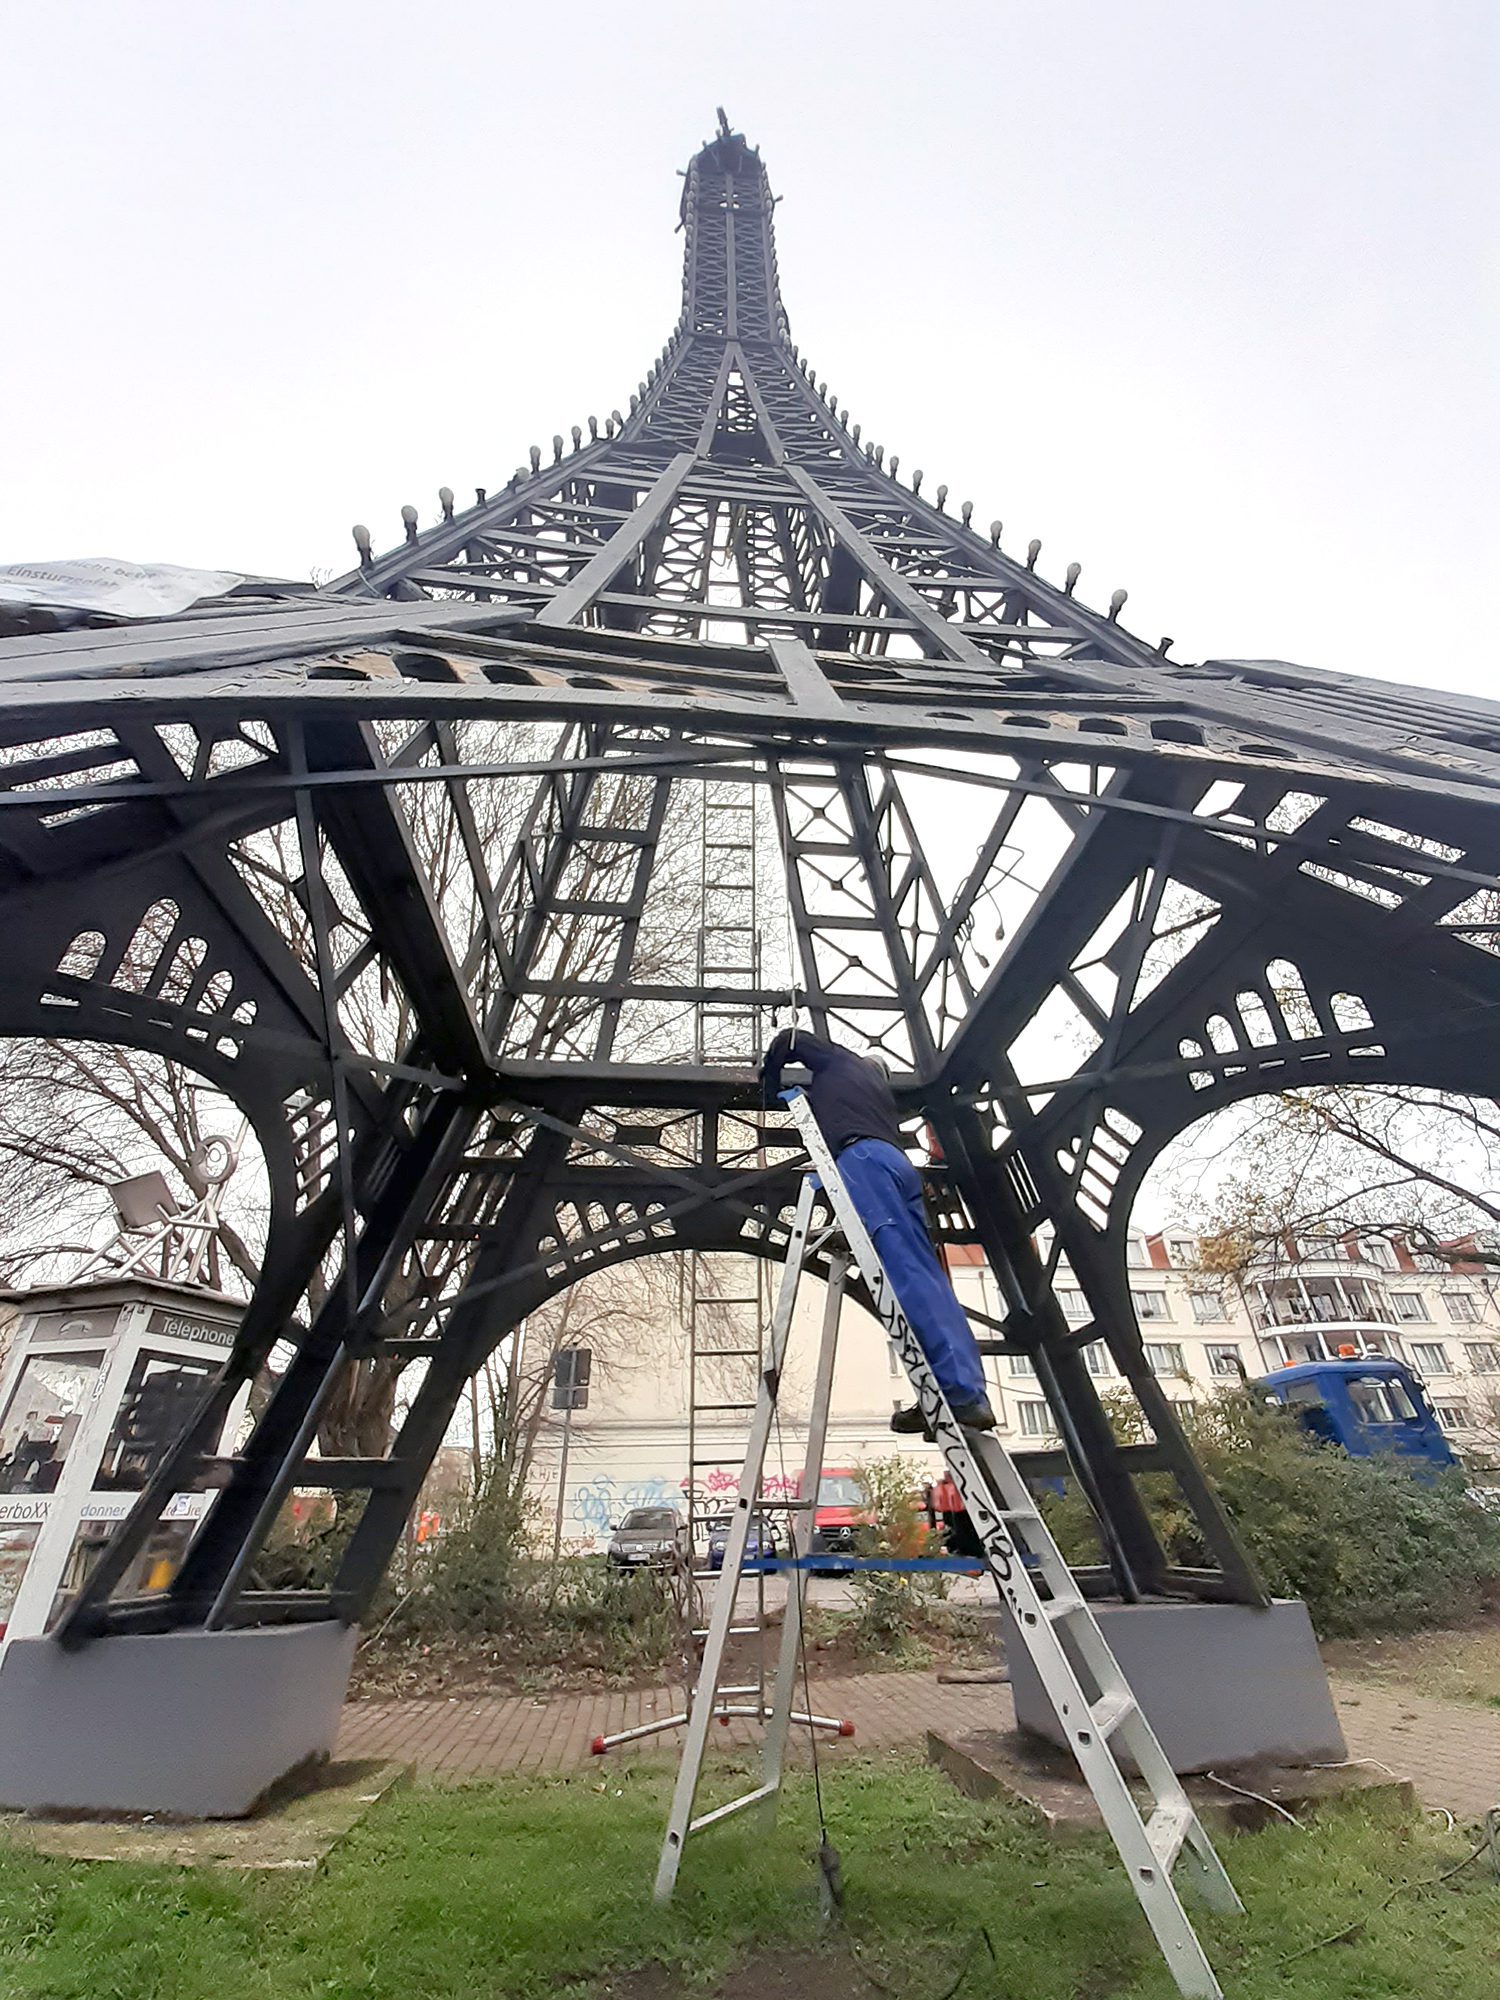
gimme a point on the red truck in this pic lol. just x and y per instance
(840, 1511)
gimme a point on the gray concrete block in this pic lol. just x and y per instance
(194, 1723)
(1221, 1684)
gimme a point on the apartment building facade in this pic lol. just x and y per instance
(1313, 1300)
(1201, 1334)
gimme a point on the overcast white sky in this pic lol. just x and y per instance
(1195, 292)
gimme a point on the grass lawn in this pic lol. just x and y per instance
(542, 1888)
(1458, 1664)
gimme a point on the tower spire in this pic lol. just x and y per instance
(824, 530)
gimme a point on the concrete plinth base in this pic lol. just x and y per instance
(1005, 1763)
(194, 1723)
(1221, 1684)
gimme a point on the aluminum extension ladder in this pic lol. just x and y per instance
(1051, 1618)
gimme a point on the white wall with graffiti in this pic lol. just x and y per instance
(630, 1447)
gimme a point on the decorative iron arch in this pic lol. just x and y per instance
(1041, 866)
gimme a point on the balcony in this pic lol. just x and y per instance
(1315, 1302)
(1320, 1340)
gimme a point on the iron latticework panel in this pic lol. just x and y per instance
(406, 867)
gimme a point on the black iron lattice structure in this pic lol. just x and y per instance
(1079, 894)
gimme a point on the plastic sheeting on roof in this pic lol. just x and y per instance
(120, 589)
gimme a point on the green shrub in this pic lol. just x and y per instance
(484, 1593)
(1368, 1545)
(476, 1578)
(890, 1606)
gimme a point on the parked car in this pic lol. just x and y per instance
(762, 1539)
(648, 1537)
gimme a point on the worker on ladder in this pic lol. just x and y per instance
(855, 1109)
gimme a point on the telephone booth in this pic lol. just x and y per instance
(98, 1380)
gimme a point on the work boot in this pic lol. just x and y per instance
(969, 1416)
(975, 1416)
(911, 1423)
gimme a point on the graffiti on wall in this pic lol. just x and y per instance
(599, 1503)
(720, 1485)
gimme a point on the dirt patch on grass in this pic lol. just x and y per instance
(1457, 1663)
(791, 1975)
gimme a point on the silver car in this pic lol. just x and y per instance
(648, 1536)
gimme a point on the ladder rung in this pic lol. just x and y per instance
(1058, 1608)
(735, 1805)
(735, 1631)
(789, 1506)
(718, 1409)
(1110, 1711)
(1167, 1828)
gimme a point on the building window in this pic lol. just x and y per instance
(1150, 1305)
(1305, 1350)
(1036, 1420)
(1452, 1416)
(1164, 1357)
(1136, 1251)
(1208, 1304)
(1381, 1252)
(1483, 1356)
(1374, 1343)
(1460, 1307)
(1225, 1360)
(1430, 1357)
(1074, 1304)
(1183, 1250)
(1410, 1306)
(1021, 1364)
(1096, 1358)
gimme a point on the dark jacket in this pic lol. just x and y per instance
(849, 1094)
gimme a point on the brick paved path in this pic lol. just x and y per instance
(1450, 1751)
(484, 1735)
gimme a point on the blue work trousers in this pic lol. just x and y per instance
(885, 1188)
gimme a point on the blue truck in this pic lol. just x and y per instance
(1364, 1404)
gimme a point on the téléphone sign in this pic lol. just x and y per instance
(207, 1332)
